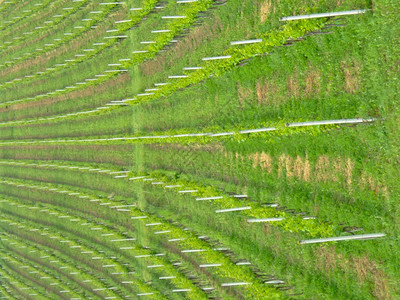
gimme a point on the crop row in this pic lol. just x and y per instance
(185, 239)
(60, 265)
(78, 31)
(5, 5)
(36, 8)
(165, 201)
(15, 285)
(52, 44)
(48, 24)
(45, 236)
(53, 286)
(114, 265)
(107, 238)
(253, 210)
(174, 27)
(214, 67)
(111, 265)
(205, 136)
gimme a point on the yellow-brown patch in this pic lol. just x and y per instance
(352, 78)
(267, 92)
(265, 162)
(326, 259)
(302, 169)
(285, 165)
(292, 85)
(243, 94)
(312, 81)
(367, 269)
(265, 10)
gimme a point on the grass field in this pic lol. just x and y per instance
(199, 149)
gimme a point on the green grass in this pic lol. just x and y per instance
(345, 176)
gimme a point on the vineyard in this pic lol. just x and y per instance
(199, 149)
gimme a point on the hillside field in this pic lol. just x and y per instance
(200, 149)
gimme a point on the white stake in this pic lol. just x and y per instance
(246, 42)
(216, 57)
(235, 283)
(325, 15)
(210, 265)
(210, 198)
(265, 220)
(344, 238)
(233, 209)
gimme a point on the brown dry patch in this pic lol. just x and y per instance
(90, 91)
(368, 270)
(239, 156)
(348, 171)
(323, 170)
(368, 182)
(243, 94)
(255, 157)
(352, 77)
(312, 81)
(285, 163)
(266, 162)
(262, 160)
(194, 39)
(302, 168)
(326, 259)
(267, 92)
(292, 85)
(265, 10)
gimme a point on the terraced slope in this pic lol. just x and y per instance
(199, 149)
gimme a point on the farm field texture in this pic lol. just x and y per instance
(199, 149)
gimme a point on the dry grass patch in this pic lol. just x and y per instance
(302, 168)
(265, 10)
(293, 85)
(367, 182)
(352, 78)
(324, 169)
(268, 93)
(368, 270)
(326, 259)
(243, 94)
(312, 81)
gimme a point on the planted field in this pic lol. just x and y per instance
(199, 149)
